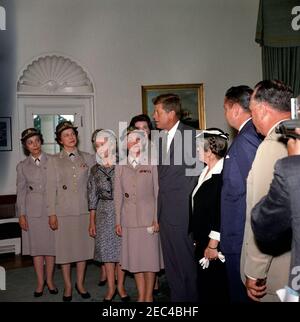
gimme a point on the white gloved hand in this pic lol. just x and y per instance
(221, 257)
(204, 262)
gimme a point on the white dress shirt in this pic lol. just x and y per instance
(171, 134)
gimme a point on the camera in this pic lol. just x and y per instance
(287, 128)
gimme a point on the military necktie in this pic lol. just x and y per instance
(72, 156)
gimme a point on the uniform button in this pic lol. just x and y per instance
(126, 195)
(108, 179)
(30, 187)
(73, 168)
(65, 187)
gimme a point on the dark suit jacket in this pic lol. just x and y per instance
(175, 186)
(277, 215)
(237, 164)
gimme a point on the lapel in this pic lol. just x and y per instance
(163, 168)
(43, 160)
(106, 171)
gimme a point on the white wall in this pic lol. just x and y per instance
(128, 43)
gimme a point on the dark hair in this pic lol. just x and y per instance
(217, 144)
(142, 118)
(275, 93)
(94, 135)
(170, 102)
(241, 95)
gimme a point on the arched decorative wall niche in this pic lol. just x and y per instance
(53, 74)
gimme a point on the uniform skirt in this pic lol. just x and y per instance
(140, 251)
(38, 240)
(72, 240)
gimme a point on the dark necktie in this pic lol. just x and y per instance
(72, 156)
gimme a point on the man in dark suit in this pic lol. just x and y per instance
(277, 215)
(175, 187)
(237, 164)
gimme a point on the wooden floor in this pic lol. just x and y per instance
(11, 261)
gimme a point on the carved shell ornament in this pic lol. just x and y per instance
(54, 75)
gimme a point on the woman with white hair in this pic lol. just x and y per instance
(102, 213)
(206, 217)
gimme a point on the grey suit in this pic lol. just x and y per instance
(277, 215)
(67, 199)
(31, 202)
(254, 262)
(175, 189)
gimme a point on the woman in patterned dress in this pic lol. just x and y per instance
(102, 213)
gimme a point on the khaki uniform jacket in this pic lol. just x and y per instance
(254, 263)
(31, 187)
(67, 184)
(135, 195)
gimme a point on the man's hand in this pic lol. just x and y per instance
(255, 292)
(293, 145)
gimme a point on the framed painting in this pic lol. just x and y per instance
(5, 134)
(192, 101)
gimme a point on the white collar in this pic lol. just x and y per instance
(171, 133)
(204, 176)
(39, 157)
(216, 169)
(240, 129)
(133, 160)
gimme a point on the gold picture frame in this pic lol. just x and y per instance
(192, 101)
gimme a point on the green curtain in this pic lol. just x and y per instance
(284, 64)
(279, 41)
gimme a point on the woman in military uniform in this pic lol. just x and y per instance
(68, 212)
(102, 213)
(37, 237)
(135, 195)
